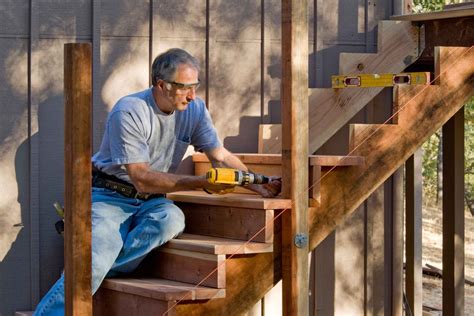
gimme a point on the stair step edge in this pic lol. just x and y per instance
(161, 289)
(236, 200)
(217, 245)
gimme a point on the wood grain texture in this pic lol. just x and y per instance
(270, 164)
(294, 145)
(216, 245)
(159, 289)
(425, 110)
(185, 266)
(228, 222)
(275, 159)
(330, 109)
(250, 277)
(235, 200)
(446, 32)
(118, 303)
(77, 163)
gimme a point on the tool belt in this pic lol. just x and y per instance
(104, 180)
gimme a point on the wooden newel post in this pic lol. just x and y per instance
(294, 96)
(77, 163)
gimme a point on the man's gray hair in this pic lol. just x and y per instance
(165, 65)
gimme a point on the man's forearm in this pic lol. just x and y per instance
(161, 182)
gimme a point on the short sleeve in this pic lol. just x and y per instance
(205, 137)
(127, 138)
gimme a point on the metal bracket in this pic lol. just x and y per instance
(301, 240)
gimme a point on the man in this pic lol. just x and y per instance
(146, 136)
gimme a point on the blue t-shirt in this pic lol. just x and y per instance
(138, 131)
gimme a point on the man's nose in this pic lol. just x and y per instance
(191, 94)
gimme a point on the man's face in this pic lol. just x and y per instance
(182, 89)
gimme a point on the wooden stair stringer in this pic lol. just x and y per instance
(398, 46)
(250, 277)
(330, 109)
(385, 151)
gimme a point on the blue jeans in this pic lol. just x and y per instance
(124, 231)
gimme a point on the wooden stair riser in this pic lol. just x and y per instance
(110, 302)
(187, 266)
(228, 222)
(386, 150)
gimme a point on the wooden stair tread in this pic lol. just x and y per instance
(275, 159)
(231, 199)
(216, 245)
(161, 289)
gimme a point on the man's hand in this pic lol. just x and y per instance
(268, 190)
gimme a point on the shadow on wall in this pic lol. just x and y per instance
(15, 266)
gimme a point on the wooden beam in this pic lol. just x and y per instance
(294, 97)
(453, 215)
(77, 163)
(414, 273)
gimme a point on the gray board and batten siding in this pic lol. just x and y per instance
(238, 43)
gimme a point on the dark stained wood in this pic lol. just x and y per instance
(216, 245)
(294, 100)
(453, 215)
(447, 32)
(397, 244)
(77, 163)
(425, 110)
(228, 222)
(185, 266)
(414, 273)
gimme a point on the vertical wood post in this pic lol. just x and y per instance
(294, 96)
(414, 282)
(453, 215)
(397, 244)
(77, 162)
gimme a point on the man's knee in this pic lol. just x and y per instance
(175, 219)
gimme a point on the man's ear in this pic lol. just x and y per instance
(160, 85)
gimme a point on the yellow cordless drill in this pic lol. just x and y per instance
(234, 177)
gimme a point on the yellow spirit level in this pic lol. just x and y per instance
(380, 80)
